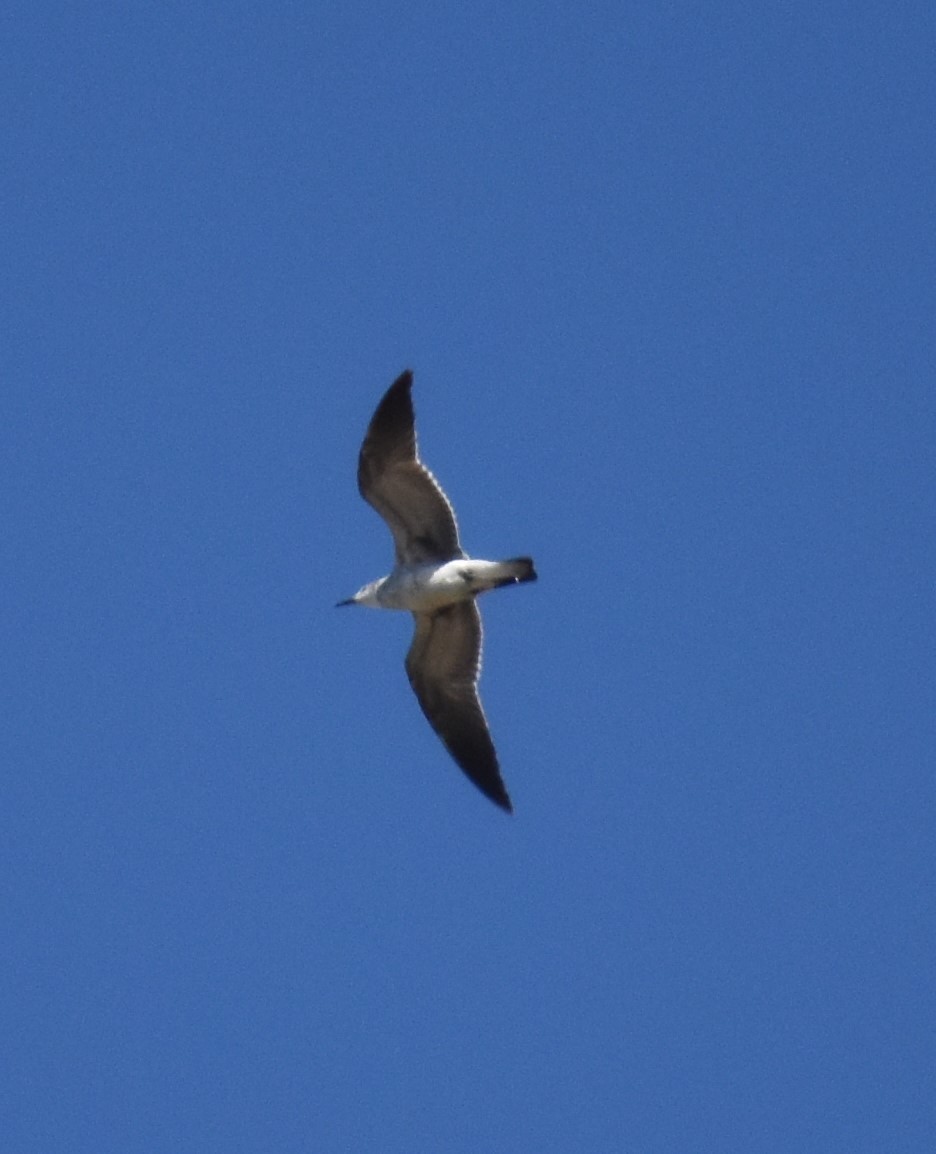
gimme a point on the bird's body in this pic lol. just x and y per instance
(426, 587)
(435, 581)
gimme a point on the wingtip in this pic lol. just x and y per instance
(499, 795)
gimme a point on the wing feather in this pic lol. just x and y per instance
(443, 666)
(393, 480)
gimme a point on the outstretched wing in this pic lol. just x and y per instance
(395, 482)
(443, 665)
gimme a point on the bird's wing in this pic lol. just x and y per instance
(443, 665)
(394, 481)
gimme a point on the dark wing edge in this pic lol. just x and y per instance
(443, 665)
(394, 482)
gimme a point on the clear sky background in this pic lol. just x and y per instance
(666, 274)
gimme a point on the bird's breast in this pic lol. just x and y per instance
(427, 588)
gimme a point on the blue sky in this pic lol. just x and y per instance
(666, 274)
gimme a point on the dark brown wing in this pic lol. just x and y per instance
(443, 665)
(394, 481)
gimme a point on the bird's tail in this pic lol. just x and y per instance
(520, 569)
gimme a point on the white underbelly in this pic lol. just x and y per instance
(426, 588)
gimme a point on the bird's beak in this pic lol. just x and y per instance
(349, 601)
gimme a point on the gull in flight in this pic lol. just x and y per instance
(437, 582)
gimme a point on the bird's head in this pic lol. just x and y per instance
(366, 595)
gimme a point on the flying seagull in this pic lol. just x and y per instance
(437, 582)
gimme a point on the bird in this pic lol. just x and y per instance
(435, 580)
